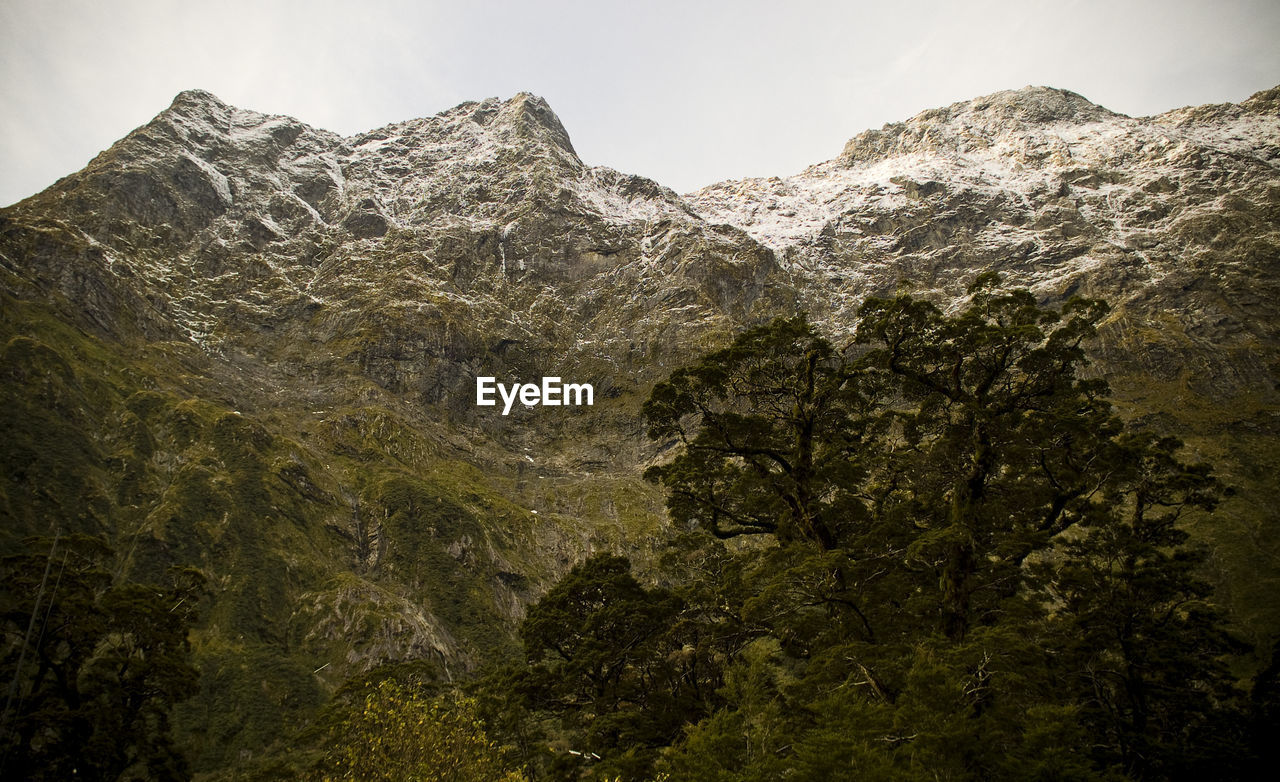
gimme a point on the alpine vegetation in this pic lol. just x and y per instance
(951, 457)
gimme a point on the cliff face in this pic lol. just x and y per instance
(1173, 215)
(1174, 219)
(246, 344)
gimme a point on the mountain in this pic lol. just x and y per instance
(241, 343)
(1174, 219)
(1057, 193)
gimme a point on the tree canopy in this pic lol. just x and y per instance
(928, 550)
(93, 664)
(967, 565)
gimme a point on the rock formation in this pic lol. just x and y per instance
(242, 343)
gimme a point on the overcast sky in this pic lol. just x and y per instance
(687, 93)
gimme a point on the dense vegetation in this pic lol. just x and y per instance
(929, 552)
(93, 665)
(127, 445)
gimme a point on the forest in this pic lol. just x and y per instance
(927, 549)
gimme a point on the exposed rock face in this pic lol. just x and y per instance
(294, 323)
(263, 338)
(1173, 214)
(1174, 219)
(453, 237)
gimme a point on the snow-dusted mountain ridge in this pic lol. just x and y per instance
(1037, 170)
(260, 340)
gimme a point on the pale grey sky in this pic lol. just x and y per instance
(687, 93)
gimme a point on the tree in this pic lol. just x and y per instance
(400, 734)
(976, 569)
(1146, 647)
(94, 664)
(770, 434)
(996, 434)
(617, 663)
(968, 439)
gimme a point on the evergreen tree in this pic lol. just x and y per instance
(1146, 649)
(621, 667)
(970, 569)
(768, 429)
(996, 435)
(93, 665)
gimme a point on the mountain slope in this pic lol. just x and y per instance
(242, 343)
(1174, 219)
(237, 342)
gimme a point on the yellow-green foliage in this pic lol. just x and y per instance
(129, 442)
(400, 734)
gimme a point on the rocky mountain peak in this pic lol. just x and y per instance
(532, 113)
(1029, 105)
(252, 346)
(977, 124)
(220, 213)
(197, 100)
(523, 131)
(1264, 101)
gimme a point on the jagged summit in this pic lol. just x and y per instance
(1032, 147)
(522, 108)
(978, 123)
(1031, 105)
(251, 346)
(523, 120)
(534, 110)
(220, 209)
(203, 170)
(524, 117)
(196, 98)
